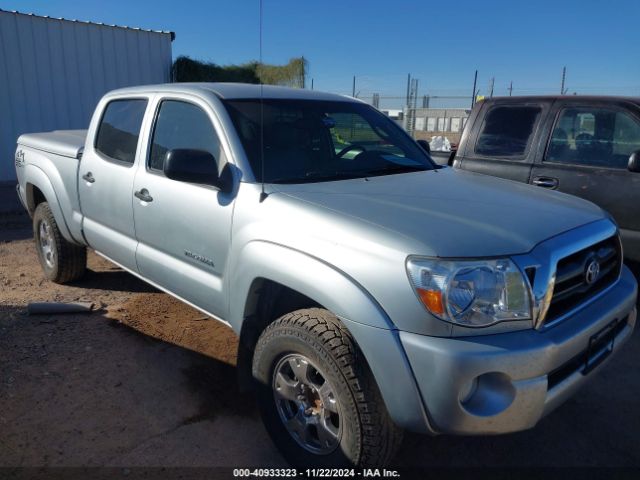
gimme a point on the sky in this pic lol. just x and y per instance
(380, 42)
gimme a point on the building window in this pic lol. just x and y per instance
(443, 124)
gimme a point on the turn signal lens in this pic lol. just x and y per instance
(432, 300)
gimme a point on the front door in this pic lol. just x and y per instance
(588, 155)
(105, 182)
(183, 229)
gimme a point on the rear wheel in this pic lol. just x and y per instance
(318, 398)
(61, 261)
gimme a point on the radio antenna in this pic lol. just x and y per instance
(263, 194)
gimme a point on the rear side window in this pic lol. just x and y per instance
(120, 128)
(507, 131)
(182, 125)
(595, 137)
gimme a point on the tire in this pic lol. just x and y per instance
(61, 261)
(347, 424)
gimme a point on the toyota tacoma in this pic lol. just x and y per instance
(372, 290)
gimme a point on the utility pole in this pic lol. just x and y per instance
(493, 80)
(564, 75)
(473, 94)
(511, 88)
(353, 90)
(411, 106)
(312, 84)
(408, 87)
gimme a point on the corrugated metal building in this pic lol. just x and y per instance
(53, 71)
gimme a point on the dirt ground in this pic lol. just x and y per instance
(148, 381)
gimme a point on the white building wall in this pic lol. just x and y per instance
(54, 71)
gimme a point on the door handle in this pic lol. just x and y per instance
(88, 177)
(143, 195)
(546, 182)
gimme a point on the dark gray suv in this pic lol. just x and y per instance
(585, 146)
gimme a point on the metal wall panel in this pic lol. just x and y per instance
(54, 71)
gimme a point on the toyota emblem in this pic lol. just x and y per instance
(592, 272)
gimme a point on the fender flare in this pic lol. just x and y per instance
(306, 274)
(36, 177)
(372, 329)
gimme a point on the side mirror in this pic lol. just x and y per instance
(194, 166)
(634, 162)
(425, 145)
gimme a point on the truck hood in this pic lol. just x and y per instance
(451, 213)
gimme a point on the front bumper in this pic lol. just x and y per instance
(520, 376)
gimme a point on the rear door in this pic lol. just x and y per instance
(506, 141)
(105, 183)
(588, 154)
(183, 229)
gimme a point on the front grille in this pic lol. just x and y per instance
(571, 287)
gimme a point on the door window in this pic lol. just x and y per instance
(181, 125)
(119, 129)
(507, 131)
(596, 137)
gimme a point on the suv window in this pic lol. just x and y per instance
(597, 137)
(181, 125)
(507, 131)
(120, 128)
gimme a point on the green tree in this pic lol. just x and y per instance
(292, 74)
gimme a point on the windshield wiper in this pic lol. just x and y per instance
(312, 177)
(395, 169)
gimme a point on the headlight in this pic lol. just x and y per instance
(474, 293)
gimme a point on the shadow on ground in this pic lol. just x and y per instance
(115, 280)
(87, 390)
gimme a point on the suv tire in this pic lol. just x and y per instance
(61, 261)
(318, 398)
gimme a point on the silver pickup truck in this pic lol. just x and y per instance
(372, 290)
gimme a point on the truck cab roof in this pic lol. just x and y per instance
(228, 91)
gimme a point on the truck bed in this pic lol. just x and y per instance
(66, 143)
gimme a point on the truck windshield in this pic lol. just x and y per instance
(308, 141)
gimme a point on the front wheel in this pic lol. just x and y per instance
(318, 398)
(61, 261)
